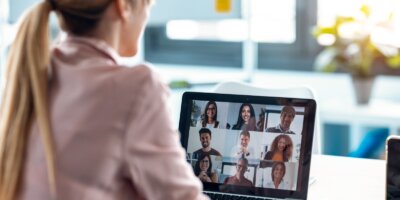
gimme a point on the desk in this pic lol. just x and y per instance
(347, 178)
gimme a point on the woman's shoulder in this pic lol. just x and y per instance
(140, 77)
(236, 127)
(138, 85)
(143, 70)
(285, 185)
(268, 155)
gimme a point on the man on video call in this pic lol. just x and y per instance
(205, 140)
(238, 178)
(287, 115)
(243, 149)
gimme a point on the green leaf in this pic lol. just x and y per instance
(324, 30)
(325, 61)
(366, 10)
(394, 61)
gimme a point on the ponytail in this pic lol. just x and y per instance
(26, 98)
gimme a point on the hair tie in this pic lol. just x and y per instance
(53, 4)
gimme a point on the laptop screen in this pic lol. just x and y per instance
(247, 144)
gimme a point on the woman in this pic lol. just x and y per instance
(203, 167)
(277, 173)
(281, 149)
(246, 118)
(209, 116)
(74, 123)
(261, 120)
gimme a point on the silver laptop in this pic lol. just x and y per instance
(248, 146)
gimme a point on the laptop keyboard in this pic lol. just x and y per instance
(223, 196)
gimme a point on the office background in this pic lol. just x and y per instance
(265, 42)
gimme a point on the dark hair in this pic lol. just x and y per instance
(81, 19)
(244, 159)
(205, 118)
(197, 165)
(289, 110)
(276, 165)
(245, 133)
(240, 120)
(204, 130)
(84, 18)
(287, 152)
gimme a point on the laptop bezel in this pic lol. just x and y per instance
(305, 156)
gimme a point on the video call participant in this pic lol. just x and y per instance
(246, 118)
(281, 149)
(205, 140)
(243, 149)
(277, 173)
(261, 120)
(238, 178)
(203, 167)
(209, 116)
(287, 115)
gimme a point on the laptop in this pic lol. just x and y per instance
(252, 147)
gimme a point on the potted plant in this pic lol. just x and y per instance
(358, 45)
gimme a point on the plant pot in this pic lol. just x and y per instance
(363, 88)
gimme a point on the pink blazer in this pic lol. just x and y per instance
(113, 134)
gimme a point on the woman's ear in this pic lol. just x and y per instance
(123, 9)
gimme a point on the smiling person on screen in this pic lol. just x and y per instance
(287, 115)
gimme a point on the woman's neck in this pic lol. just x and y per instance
(277, 181)
(108, 28)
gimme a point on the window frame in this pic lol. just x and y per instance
(158, 48)
(300, 55)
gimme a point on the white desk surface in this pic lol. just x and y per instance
(347, 178)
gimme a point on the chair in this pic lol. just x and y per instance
(232, 87)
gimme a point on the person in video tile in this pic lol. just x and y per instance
(209, 116)
(287, 115)
(246, 118)
(238, 178)
(202, 169)
(243, 150)
(261, 120)
(205, 140)
(277, 173)
(281, 149)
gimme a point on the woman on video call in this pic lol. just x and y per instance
(281, 149)
(278, 172)
(75, 124)
(209, 116)
(246, 118)
(203, 167)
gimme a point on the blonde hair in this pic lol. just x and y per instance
(25, 97)
(26, 93)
